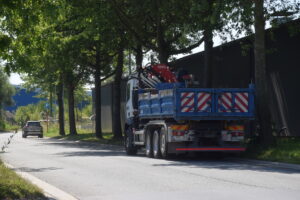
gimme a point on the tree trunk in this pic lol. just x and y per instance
(208, 45)
(60, 101)
(51, 102)
(139, 56)
(261, 78)
(72, 122)
(117, 130)
(163, 51)
(98, 129)
(163, 55)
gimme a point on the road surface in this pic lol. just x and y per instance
(93, 171)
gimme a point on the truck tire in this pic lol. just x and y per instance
(41, 136)
(163, 144)
(24, 135)
(128, 142)
(149, 144)
(156, 144)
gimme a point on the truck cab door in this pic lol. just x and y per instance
(131, 84)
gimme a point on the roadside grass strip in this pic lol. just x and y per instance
(83, 135)
(284, 150)
(9, 127)
(14, 187)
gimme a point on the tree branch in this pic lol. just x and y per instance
(108, 76)
(176, 36)
(187, 49)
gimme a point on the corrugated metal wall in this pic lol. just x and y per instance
(106, 105)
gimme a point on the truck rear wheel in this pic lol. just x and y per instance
(163, 144)
(149, 145)
(156, 144)
(128, 143)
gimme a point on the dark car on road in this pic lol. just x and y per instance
(33, 128)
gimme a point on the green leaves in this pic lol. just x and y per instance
(4, 43)
(6, 90)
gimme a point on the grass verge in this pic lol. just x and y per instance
(83, 135)
(5, 126)
(284, 150)
(14, 187)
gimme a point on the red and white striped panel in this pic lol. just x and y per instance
(203, 102)
(187, 101)
(241, 102)
(225, 102)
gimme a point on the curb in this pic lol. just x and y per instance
(50, 191)
(269, 163)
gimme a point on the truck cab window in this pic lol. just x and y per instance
(127, 92)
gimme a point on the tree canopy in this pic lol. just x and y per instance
(65, 44)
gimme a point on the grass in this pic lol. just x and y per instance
(284, 150)
(5, 126)
(9, 127)
(14, 187)
(83, 135)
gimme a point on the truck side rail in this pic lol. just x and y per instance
(198, 103)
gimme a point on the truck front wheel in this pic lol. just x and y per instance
(129, 146)
(156, 144)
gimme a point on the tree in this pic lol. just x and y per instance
(60, 102)
(261, 77)
(208, 14)
(89, 24)
(257, 12)
(34, 44)
(166, 27)
(117, 130)
(6, 93)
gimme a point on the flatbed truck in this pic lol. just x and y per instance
(170, 117)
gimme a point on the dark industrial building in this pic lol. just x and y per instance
(233, 67)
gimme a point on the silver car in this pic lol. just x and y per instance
(32, 128)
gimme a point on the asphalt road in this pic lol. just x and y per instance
(93, 171)
(5, 139)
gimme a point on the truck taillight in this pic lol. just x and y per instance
(235, 128)
(179, 127)
(179, 130)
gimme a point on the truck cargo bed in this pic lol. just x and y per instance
(174, 101)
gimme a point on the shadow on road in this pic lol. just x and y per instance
(226, 163)
(209, 161)
(86, 148)
(28, 169)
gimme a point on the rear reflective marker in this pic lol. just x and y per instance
(210, 149)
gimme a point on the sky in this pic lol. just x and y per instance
(15, 79)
